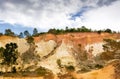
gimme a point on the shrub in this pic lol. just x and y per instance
(43, 71)
(13, 70)
(70, 68)
(98, 66)
(59, 63)
(30, 40)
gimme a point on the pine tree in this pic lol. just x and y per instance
(35, 31)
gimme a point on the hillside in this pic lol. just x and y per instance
(58, 52)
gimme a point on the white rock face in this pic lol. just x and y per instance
(97, 48)
(62, 53)
(43, 48)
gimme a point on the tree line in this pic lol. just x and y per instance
(26, 33)
(9, 32)
(81, 29)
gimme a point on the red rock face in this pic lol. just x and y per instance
(78, 38)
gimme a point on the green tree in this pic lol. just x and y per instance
(30, 40)
(26, 33)
(108, 30)
(1, 34)
(66, 29)
(52, 31)
(84, 29)
(21, 35)
(99, 31)
(9, 32)
(10, 54)
(35, 31)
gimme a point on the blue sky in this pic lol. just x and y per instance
(15, 28)
(46, 14)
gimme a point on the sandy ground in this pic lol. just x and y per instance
(104, 73)
(21, 77)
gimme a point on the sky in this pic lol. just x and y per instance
(20, 15)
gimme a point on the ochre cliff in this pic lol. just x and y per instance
(65, 47)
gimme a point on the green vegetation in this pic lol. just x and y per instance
(70, 68)
(13, 70)
(105, 30)
(59, 63)
(9, 55)
(30, 40)
(41, 71)
(21, 35)
(111, 50)
(35, 33)
(81, 29)
(26, 33)
(1, 52)
(1, 34)
(8, 32)
(67, 30)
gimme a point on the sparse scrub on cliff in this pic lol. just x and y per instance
(69, 30)
(90, 67)
(111, 50)
(30, 40)
(29, 55)
(69, 69)
(47, 74)
(117, 70)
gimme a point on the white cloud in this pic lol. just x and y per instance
(40, 14)
(104, 17)
(47, 14)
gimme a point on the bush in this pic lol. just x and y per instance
(1, 34)
(13, 70)
(98, 66)
(70, 68)
(30, 40)
(43, 71)
(59, 63)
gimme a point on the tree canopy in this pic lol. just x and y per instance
(26, 33)
(9, 32)
(35, 31)
(10, 54)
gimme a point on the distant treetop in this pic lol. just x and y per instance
(26, 33)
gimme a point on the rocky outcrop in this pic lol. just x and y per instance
(68, 48)
(62, 53)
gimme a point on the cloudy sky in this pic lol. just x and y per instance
(20, 15)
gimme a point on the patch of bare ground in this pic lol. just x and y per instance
(21, 78)
(110, 71)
